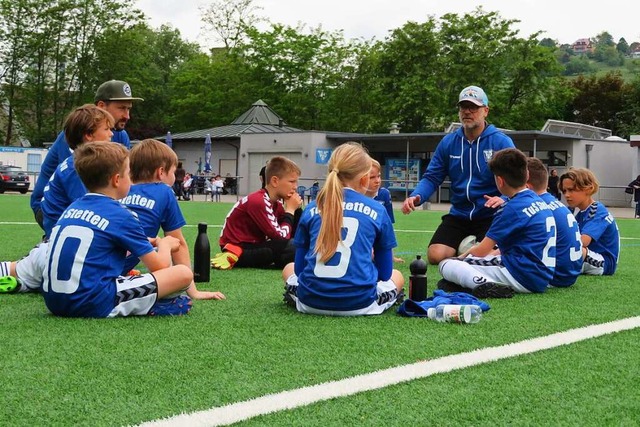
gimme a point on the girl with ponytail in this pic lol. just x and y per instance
(334, 272)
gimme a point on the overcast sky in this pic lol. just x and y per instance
(562, 20)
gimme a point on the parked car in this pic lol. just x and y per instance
(13, 178)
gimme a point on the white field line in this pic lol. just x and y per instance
(307, 395)
(220, 226)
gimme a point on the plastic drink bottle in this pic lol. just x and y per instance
(201, 255)
(418, 279)
(455, 313)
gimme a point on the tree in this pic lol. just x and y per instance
(229, 20)
(622, 46)
(598, 101)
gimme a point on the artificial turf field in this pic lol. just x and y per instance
(127, 371)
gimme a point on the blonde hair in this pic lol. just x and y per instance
(97, 162)
(375, 164)
(349, 162)
(148, 156)
(583, 180)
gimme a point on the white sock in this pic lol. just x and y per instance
(460, 272)
(5, 268)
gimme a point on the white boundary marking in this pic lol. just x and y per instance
(241, 411)
(220, 226)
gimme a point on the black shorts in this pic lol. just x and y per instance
(452, 230)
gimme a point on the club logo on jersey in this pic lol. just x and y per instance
(488, 154)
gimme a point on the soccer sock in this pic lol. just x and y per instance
(5, 268)
(460, 272)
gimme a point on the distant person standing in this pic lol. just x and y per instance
(635, 186)
(463, 156)
(113, 96)
(552, 184)
(178, 185)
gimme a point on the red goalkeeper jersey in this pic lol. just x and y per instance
(256, 219)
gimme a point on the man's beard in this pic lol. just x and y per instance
(120, 125)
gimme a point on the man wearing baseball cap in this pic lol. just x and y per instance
(113, 96)
(463, 156)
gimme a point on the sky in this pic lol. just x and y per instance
(562, 20)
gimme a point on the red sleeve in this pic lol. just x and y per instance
(270, 218)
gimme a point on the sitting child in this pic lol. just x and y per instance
(525, 232)
(381, 194)
(83, 124)
(258, 230)
(153, 165)
(598, 229)
(568, 242)
(334, 273)
(90, 242)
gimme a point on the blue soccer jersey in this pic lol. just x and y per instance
(156, 207)
(384, 197)
(568, 243)
(87, 253)
(597, 223)
(64, 187)
(525, 232)
(57, 153)
(348, 281)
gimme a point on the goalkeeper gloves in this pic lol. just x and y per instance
(227, 259)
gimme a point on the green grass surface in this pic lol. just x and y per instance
(125, 371)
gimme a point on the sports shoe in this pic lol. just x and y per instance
(400, 298)
(492, 290)
(288, 299)
(8, 284)
(177, 306)
(449, 286)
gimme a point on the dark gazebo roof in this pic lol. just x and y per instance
(260, 118)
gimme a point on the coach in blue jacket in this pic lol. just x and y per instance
(113, 96)
(463, 156)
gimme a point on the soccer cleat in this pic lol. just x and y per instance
(448, 286)
(493, 290)
(400, 298)
(288, 299)
(8, 284)
(177, 306)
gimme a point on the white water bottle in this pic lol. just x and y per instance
(455, 313)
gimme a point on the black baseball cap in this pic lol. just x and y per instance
(115, 90)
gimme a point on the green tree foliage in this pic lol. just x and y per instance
(158, 54)
(622, 46)
(599, 101)
(48, 56)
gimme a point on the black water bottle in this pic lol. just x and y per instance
(201, 255)
(418, 279)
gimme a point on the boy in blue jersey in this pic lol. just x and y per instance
(568, 242)
(90, 242)
(598, 229)
(86, 123)
(151, 198)
(525, 233)
(113, 96)
(334, 273)
(463, 156)
(381, 194)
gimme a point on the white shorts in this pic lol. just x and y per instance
(135, 295)
(593, 264)
(491, 268)
(387, 295)
(29, 269)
